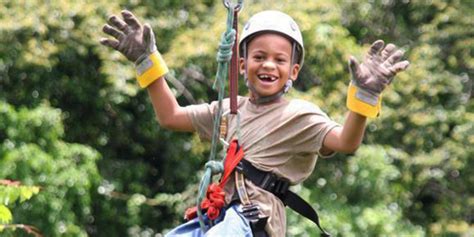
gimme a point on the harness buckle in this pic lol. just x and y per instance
(265, 180)
(281, 187)
(251, 211)
(268, 182)
(274, 184)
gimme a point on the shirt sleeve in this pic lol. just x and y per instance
(202, 118)
(317, 126)
(324, 126)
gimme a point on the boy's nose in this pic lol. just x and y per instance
(269, 64)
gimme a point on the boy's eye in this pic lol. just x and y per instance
(258, 57)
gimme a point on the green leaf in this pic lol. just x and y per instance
(26, 192)
(9, 194)
(5, 215)
(3, 194)
(14, 194)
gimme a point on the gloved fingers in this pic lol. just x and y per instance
(147, 33)
(376, 47)
(387, 51)
(382, 86)
(384, 81)
(110, 43)
(353, 65)
(394, 58)
(375, 85)
(131, 20)
(390, 72)
(386, 71)
(112, 32)
(119, 24)
(400, 66)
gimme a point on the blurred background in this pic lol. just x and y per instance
(74, 122)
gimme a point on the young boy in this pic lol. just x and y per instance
(279, 137)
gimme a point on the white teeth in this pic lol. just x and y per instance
(267, 77)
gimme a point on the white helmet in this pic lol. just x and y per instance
(273, 21)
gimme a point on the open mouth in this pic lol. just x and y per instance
(267, 78)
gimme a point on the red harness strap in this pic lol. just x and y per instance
(235, 153)
(215, 196)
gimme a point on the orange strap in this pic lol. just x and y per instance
(235, 153)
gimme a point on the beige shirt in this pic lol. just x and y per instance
(283, 137)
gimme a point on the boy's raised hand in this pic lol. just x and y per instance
(372, 76)
(378, 68)
(134, 40)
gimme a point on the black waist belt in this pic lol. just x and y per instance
(279, 187)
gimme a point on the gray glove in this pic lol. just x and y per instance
(134, 41)
(377, 70)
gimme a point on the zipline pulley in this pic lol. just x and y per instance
(236, 7)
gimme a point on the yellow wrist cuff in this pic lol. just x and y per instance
(151, 69)
(363, 108)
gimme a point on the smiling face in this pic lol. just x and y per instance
(268, 64)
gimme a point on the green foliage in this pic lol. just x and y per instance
(5, 215)
(427, 117)
(434, 107)
(10, 192)
(66, 173)
(66, 101)
(362, 198)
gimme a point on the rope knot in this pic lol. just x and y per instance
(215, 167)
(225, 47)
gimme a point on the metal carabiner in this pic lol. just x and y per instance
(236, 7)
(239, 135)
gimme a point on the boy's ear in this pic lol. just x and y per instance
(295, 71)
(241, 66)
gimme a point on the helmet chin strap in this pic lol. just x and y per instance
(259, 99)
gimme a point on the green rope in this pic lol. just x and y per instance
(224, 56)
